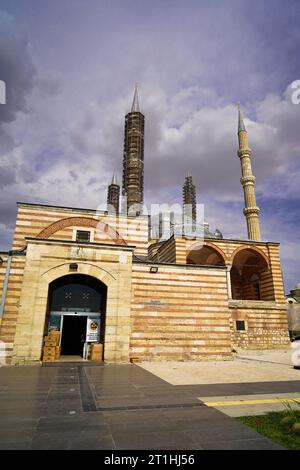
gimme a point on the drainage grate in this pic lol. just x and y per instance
(87, 398)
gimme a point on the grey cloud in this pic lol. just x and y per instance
(16, 68)
(7, 175)
(49, 84)
(17, 71)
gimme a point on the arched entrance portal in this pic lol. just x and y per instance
(76, 307)
(251, 278)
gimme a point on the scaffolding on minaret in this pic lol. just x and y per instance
(113, 196)
(133, 159)
(189, 202)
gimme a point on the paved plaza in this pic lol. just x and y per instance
(89, 406)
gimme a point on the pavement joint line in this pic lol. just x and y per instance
(252, 402)
(244, 358)
(87, 397)
(151, 407)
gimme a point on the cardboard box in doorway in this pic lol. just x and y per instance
(96, 352)
(55, 336)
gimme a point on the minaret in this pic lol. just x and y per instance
(189, 201)
(189, 196)
(251, 211)
(113, 195)
(133, 158)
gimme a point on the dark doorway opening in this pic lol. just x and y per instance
(73, 335)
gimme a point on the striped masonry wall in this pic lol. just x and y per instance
(266, 325)
(166, 252)
(179, 313)
(275, 266)
(153, 248)
(11, 308)
(32, 219)
(2, 274)
(271, 282)
(266, 321)
(181, 253)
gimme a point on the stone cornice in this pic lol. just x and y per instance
(251, 210)
(256, 304)
(244, 153)
(247, 180)
(47, 241)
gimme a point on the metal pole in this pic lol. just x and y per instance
(5, 285)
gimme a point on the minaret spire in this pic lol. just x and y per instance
(241, 125)
(251, 211)
(114, 179)
(135, 108)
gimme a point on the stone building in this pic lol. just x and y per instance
(293, 310)
(175, 299)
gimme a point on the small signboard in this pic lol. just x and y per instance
(54, 323)
(92, 331)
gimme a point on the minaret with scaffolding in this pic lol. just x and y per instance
(133, 159)
(189, 204)
(113, 196)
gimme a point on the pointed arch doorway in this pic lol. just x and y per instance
(76, 308)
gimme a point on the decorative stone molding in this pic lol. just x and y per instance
(244, 153)
(255, 304)
(247, 180)
(251, 210)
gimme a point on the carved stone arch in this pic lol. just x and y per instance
(88, 269)
(208, 245)
(251, 277)
(254, 249)
(82, 222)
(216, 248)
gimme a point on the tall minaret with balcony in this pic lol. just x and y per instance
(113, 196)
(251, 211)
(133, 159)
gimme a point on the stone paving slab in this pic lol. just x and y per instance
(261, 367)
(110, 407)
(254, 388)
(273, 356)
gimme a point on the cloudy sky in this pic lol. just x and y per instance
(70, 68)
